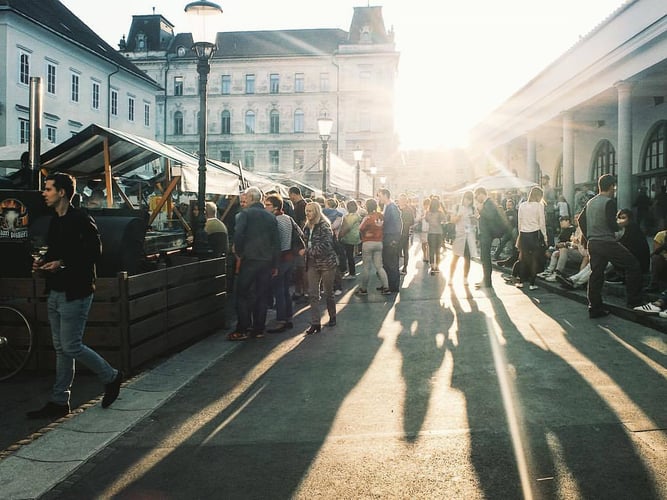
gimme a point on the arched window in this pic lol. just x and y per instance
(274, 122)
(178, 123)
(604, 159)
(298, 121)
(654, 153)
(250, 122)
(226, 128)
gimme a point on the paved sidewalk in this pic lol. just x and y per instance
(37, 467)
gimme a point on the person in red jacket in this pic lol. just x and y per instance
(371, 232)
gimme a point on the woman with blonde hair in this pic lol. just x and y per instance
(465, 241)
(321, 265)
(532, 240)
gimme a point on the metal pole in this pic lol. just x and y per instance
(35, 139)
(356, 182)
(324, 168)
(200, 243)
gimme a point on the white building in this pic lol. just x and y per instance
(599, 108)
(266, 90)
(84, 80)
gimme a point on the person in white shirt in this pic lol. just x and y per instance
(532, 240)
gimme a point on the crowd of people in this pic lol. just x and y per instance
(299, 250)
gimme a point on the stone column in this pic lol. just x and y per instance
(531, 158)
(568, 157)
(624, 150)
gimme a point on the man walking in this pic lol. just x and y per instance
(69, 268)
(598, 224)
(488, 226)
(257, 244)
(393, 227)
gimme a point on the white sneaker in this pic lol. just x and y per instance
(662, 314)
(649, 308)
(338, 292)
(533, 287)
(550, 277)
(544, 274)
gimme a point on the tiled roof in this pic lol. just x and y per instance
(275, 43)
(54, 16)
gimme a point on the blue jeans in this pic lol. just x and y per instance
(280, 285)
(68, 321)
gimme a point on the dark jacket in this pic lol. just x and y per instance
(75, 240)
(635, 240)
(488, 219)
(257, 236)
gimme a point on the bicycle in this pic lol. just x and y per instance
(16, 341)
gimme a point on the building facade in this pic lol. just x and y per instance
(599, 108)
(266, 90)
(84, 80)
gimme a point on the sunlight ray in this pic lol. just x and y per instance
(181, 434)
(511, 410)
(649, 362)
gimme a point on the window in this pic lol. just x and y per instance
(24, 131)
(249, 160)
(226, 127)
(274, 160)
(130, 108)
(141, 41)
(178, 85)
(250, 122)
(299, 156)
(147, 114)
(226, 156)
(604, 159)
(274, 119)
(114, 102)
(274, 84)
(24, 68)
(178, 123)
(95, 102)
(51, 78)
(226, 84)
(324, 82)
(51, 133)
(250, 84)
(74, 94)
(298, 82)
(654, 155)
(298, 121)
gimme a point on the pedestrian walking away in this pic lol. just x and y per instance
(74, 247)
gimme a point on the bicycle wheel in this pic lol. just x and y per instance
(15, 341)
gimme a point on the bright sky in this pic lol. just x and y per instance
(459, 60)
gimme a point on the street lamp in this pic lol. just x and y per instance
(358, 155)
(374, 171)
(324, 125)
(203, 16)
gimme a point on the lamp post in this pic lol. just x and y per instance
(324, 125)
(374, 171)
(202, 15)
(358, 155)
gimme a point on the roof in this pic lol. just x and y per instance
(273, 43)
(53, 16)
(82, 155)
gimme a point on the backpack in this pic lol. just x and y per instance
(298, 241)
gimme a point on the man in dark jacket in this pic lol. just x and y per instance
(488, 226)
(69, 268)
(393, 227)
(257, 244)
